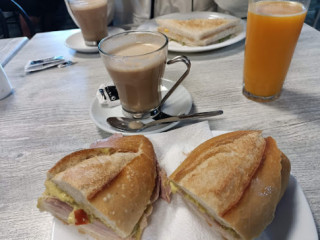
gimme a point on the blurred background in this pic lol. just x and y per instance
(28, 17)
(313, 16)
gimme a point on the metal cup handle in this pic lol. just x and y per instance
(186, 61)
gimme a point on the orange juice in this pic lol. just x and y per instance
(273, 29)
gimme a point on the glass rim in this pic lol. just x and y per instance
(305, 4)
(133, 32)
(83, 2)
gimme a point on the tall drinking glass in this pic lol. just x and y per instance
(273, 29)
(91, 17)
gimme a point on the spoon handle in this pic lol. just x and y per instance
(201, 115)
(185, 117)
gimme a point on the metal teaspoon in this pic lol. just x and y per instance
(132, 125)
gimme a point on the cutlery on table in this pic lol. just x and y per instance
(133, 125)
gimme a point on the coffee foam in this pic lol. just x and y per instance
(137, 57)
(87, 4)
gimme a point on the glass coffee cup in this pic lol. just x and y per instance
(91, 17)
(136, 62)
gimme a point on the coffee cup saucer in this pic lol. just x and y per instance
(180, 102)
(75, 41)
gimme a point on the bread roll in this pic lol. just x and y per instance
(112, 185)
(236, 180)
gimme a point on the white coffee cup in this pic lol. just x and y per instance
(5, 85)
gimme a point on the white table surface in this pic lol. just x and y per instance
(9, 47)
(47, 117)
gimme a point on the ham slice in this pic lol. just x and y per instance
(61, 210)
(165, 189)
(58, 208)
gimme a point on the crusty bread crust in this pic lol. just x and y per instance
(256, 209)
(251, 214)
(220, 169)
(75, 158)
(115, 184)
(127, 196)
(285, 173)
(132, 144)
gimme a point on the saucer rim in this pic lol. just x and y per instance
(165, 82)
(86, 49)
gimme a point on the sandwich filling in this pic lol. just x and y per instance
(77, 215)
(68, 214)
(65, 208)
(204, 212)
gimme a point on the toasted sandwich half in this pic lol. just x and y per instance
(235, 182)
(198, 32)
(106, 192)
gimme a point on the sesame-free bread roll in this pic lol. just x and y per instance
(235, 180)
(104, 191)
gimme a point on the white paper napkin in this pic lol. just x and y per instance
(177, 220)
(172, 147)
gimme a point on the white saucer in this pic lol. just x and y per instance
(76, 42)
(180, 102)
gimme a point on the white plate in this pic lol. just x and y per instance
(76, 42)
(176, 47)
(293, 219)
(180, 102)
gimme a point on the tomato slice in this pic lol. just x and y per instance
(81, 217)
